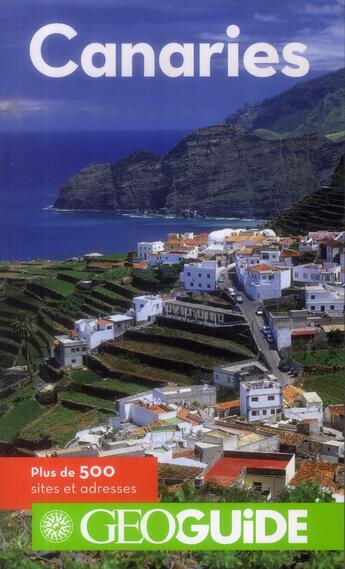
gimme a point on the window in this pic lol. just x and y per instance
(208, 286)
(199, 275)
(199, 285)
(191, 284)
(254, 399)
(77, 349)
(73, 350)
(257, 486)
(254, 413)
(270, 398)
(332, 307)
(312, 296)
(273, 411)
(264, 412)
(312, 308)
(73, 361)
(265, 256)
(279, 410)
(188, 274)
(271, 277)
(208, 275)
(109, 327)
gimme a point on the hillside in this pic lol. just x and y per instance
(322, 209)
(315, 106)
(216, 170)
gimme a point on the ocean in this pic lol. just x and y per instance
(34, 166)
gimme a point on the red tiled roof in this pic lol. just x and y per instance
(321, 472)
(228, 404)
(74, 333)
(289, 253)
(262, 268)
(304, 332)
(104, 321)
(228, 469)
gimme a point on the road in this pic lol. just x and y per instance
(248, 308)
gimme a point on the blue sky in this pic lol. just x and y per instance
(30, 101)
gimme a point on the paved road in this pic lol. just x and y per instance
(248, 308)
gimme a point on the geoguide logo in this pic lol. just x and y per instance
(196, 526)
(56, 526)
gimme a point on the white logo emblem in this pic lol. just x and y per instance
(56, 526)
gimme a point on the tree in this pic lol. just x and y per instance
(25, 328)
(307, 492)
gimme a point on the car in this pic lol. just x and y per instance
(230, 290)
(239, 299)
(259, 311)
(269, 338)
(283, 365)
(237, 308)
(265, 330)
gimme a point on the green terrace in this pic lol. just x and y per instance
(200, 342)
(323, 372)
(89, 381)
(320, 358)
(57, 301)
(59, 424)
(329, 386)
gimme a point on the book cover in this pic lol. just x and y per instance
(172, 271)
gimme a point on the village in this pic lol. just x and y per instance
(260, 305)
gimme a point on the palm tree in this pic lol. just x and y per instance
(25, 328)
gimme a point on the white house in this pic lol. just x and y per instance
(201, 277)
(261, 400)
(284, 324)
(253, 256)
(231, 375)
(266, 281)
(146, 248)
(325, 299)
(309, 406)
(95, 331)
(69, 350)
(316, 273)
(173, 257)
(146, 308)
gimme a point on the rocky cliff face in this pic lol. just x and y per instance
(219, 170)
(315, 106)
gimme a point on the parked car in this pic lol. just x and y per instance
(259, 311)
(230, 290)
(270, 338)
(265, 330)
(283, 365)
(239, 299)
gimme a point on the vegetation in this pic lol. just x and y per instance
(327, 358)
(25, 328)
(17, 417)
(329, 386)
(59, 424)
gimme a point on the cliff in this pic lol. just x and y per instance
(219, 170)
(314, 106)
(322, 209)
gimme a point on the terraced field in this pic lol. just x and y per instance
(50, 292)
(323, 209)
(59, 424)
(159, 354)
